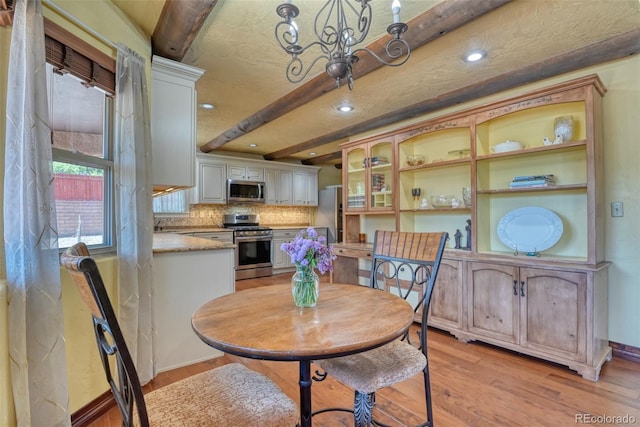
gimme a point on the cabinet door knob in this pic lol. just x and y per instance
(515, 287)
(522, 288)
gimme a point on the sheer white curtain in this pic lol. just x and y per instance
(38, 366)
(134, 215)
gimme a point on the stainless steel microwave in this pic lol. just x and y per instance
(245, 191)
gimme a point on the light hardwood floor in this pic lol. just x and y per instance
(472, 384)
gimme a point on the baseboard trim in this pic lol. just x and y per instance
(93, 410)
(626, 352)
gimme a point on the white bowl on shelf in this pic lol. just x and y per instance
(506, 146)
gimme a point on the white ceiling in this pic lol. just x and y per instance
(245, 68)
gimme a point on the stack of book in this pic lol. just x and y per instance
(528, 181)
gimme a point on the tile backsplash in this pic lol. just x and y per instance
(211, 215)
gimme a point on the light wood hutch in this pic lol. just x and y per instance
(550, 304)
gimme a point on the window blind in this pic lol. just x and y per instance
(69, 54)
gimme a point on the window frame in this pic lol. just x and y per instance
(70, 54)
(107, 164)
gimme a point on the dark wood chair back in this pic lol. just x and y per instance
(407, 264)
(122, 377)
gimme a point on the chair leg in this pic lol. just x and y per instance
(427, 391)
(363, 408)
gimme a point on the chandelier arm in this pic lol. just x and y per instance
(296, 71)
(321, 31)
(286, 35)
(364, 21)
(395, 49)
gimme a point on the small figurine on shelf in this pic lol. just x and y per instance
(423, 204)
(468, 229)
(458, 237)
(558, 140)
(547, 141)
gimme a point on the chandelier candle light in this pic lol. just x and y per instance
(336, 39)
(308, 253)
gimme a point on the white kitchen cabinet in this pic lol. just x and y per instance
(278, 186)
(211, 181)
(305, 188)
(213, 171)
(173, 123)
(182, 282)
(281, 260)
(245, 172)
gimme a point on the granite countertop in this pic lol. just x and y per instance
(173, 242)
(214, 228)
(186, 230)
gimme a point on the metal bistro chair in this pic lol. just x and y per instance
(230, 395)
(406, 264)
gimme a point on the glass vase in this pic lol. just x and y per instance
(466, 196)
(563, 127)
(304, 286)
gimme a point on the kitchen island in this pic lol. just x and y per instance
(187, 271)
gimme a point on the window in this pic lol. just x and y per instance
(171, 203)
(83, 163)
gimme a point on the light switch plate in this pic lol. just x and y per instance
(617, 209)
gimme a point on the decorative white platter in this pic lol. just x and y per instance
(530, 229)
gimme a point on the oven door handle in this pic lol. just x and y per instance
(254, 238)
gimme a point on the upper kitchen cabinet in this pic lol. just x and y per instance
(305, 187)
(245, 172)
(279, 186)
(369, 175)
(173, 123)
(211, 175)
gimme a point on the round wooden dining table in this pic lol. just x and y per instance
(264, 323)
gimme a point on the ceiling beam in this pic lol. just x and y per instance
(613, 48)
(325, 158)
(178, 26)
(443, 18)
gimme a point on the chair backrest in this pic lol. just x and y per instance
(407, 264)
(123, 379)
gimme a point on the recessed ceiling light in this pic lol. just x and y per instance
(345, 108)
(207, 106)
(475, 55)
(253, 145)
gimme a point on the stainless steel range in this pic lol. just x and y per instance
(253, 253)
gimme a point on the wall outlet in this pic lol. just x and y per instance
(617, 209)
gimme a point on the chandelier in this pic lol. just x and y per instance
(337, 38)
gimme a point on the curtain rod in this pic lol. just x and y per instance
(79, 23)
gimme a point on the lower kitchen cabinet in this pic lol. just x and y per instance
(281, 260)
(555, 314)
(182, 282)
